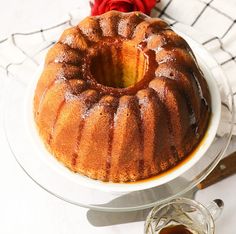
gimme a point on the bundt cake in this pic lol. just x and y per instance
(121, 98)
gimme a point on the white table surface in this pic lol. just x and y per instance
(24, 207)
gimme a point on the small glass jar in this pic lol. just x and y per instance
(185, 214)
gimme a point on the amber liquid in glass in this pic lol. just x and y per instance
(179, 229)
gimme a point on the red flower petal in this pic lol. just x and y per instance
(123, 6)
(102, 6)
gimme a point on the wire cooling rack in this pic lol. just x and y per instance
(216, 13)
(214, 20)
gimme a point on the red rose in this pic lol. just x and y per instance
(102, 6)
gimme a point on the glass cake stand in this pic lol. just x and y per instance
(26, 154)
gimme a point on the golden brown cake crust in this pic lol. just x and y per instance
(121, 98)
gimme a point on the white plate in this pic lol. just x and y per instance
(56, 166)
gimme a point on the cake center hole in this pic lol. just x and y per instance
(118, 66)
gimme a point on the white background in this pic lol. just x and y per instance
(24, 207)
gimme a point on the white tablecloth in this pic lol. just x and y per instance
(24, 207)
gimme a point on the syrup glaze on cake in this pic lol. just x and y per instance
(121, 98)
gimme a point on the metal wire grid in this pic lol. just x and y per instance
(43, 43)
(41, 40)
(219, 39)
